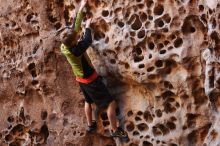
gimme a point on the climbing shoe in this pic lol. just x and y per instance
(93, 127)
(120, 133)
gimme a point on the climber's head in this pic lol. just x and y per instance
(69, 37)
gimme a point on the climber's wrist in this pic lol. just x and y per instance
(80, 9)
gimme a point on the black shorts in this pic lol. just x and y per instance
(96, 92)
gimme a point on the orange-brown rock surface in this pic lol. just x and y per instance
(159, 58)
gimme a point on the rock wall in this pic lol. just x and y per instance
(160, 59)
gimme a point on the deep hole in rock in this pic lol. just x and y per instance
(159, 23)
(8, 52)
(6, 25)
(66, 14)
(151, 45)
(121, 24)
(178, 42)
(10, 119)
(182, 10)
(170, 63)
(33, 73)
(34, 82)
(137, 23)
(158, 10)
(141, 34)
(201, 8)
(44, 115)
(159, 63)
(137, 118)
(163, 51)
(150, 3)
(171, 125)
(156, 131)
(203, 17)
(152, 76)
(29, 17)
(17, 129)
(132, 34)
(44, 131)
(58, 25)
(166, 43)
(10, 126)
(142, 127)
(52, 18)
(103, 26)
(18, 30)
(163, 129)
(160, 46)
(34, 22)
(168, 85)
(146, 143)
(143, 17)
(31, 66)
(191, 23)
(107, 40)
(192, 29)
(138, 58)
(141, 66)
(132, 18)
(200, 97)
(150, 17)
(104, 116)
(168, 108)
(137, 50)
(170, 48)
(105, 123)
(192, 137)
(166, 18)
(8, 138)
(157, 36)
(147, 137)
(105, 13)
(130, 127)
(167, 94)
(130, 113)
(127, 66)
(159, 113)
(98, 35)
(150, 56)
(112, 61)
(150, 69)
(148, 117)
(118, 10)
(117, 111)
(215, 37)
(139, 113)
(136, 133)
(141, 6)
(210, 11)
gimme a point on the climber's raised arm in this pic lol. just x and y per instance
(79, 16)
(84, 44)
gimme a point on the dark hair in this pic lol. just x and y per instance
(68, 37)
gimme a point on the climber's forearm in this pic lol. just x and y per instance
(78, 21)
(81, 8)
(79, 16)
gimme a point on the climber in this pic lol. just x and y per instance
(90, 83)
